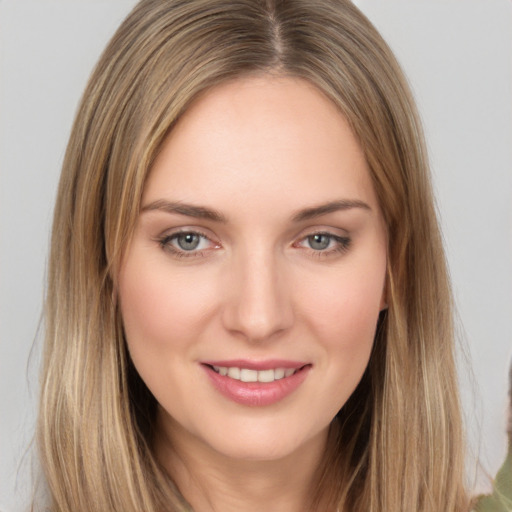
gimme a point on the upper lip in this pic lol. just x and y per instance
(251, 364)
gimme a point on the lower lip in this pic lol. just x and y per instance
(256, 394)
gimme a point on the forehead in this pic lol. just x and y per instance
(260, 137)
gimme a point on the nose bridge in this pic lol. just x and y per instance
(259, 304)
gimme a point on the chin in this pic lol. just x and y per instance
(265, 444)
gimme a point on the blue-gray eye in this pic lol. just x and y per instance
(319, 242)
(187, 241)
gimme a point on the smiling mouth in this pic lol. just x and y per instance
(249, 375)
(256, 383)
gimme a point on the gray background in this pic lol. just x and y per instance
(458, 56)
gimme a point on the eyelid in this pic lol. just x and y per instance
(197, 230)
(332, 231)
(340, 237)
(342, 241)
(164, 240)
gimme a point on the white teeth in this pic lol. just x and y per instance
(247, 375)
(234, 373)
(279, 373)
(266, 376)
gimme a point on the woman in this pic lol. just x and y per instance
(248, 303)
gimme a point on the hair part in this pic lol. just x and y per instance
(398, 442)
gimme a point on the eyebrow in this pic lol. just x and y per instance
(331, 207)
(198, 212)
(202, 212)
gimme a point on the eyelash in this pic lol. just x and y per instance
(165, 243)
(342, 244)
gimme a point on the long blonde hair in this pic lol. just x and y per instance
(397, 445)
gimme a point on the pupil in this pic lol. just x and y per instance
(319, 242)
(188, 241)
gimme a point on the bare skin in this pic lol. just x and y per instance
(260, 249)
(212, 483)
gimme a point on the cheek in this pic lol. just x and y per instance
(346, 309)
(161, 311)
(164, 314)
(343, 316)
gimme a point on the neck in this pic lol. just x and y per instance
(213, 482)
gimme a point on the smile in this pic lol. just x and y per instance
(248, 375)
(256, 384)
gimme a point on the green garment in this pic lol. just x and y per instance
(501, 498)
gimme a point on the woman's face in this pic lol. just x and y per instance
(251, 289)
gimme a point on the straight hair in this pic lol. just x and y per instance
(398, 443)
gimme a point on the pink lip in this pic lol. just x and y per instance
(267, 364)
(257, 393)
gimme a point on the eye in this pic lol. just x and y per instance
(324, 243)
(319, 242)
(187, 243)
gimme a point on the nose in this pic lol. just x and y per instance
(258, 305)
